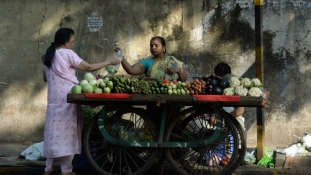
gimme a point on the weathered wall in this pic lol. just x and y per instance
(198, 32)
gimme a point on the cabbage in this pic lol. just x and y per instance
(76, 89)
(98, 90)
(88, 76)
(88, 88)
(93, 82)
(83, 82)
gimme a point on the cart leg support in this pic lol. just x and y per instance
(162, 126)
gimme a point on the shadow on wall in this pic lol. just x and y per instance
(231, 36)
(224, 36)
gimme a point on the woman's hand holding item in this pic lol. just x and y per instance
(114, 61)
(172, 70)
(119, 54)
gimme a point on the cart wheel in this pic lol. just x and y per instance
(158, 166)
(220, 157)
(123, 124)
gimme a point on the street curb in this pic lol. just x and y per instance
(26, 170)
(12, 170)
(40, 170)
(276, 171)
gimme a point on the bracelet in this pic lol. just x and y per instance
(180, 70)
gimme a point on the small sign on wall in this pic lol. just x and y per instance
(94, 22)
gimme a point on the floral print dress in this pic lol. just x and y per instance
(63, 121)
(158, 69)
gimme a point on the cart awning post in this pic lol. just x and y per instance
(260, 75)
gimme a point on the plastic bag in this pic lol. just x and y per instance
(34, 152)
(113, 69)
(298, 149)
(268, 159)
(249, 158)
(306, 139)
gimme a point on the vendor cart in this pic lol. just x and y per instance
(134, 133)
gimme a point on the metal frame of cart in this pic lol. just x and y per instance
(128, 142)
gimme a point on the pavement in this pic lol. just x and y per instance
(11, 164)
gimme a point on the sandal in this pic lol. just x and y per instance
(51, 173)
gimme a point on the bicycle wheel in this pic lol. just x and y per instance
(195, 125)
(242, 142)
(126, 124)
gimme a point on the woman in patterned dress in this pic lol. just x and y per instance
(160, 66)
(63, 121)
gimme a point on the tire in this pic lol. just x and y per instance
(125, 123)
(220, 156)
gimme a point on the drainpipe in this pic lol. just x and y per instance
(260, 76)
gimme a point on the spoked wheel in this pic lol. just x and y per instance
(123, 124)
(158, 166)
(221, 156)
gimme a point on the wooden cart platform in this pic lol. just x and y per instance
(137, 99)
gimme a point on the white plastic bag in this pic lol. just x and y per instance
(113, 69)
(249, 158)
(34, 152)
(297, 149)
(306, 139)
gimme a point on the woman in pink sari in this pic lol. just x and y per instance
(63, 121)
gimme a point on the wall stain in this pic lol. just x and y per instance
(157, 20)
(66, 19)
(235, 29)
(232, 29)
(283, 76)
(206, 5)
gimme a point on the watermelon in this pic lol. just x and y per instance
(224, 83)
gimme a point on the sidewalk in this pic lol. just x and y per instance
(9, 164)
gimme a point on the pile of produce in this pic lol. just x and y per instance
(169, 87)
(112, 84)
(227, 85)
(244, 87)
(213, 85)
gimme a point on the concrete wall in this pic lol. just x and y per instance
(198, 32)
